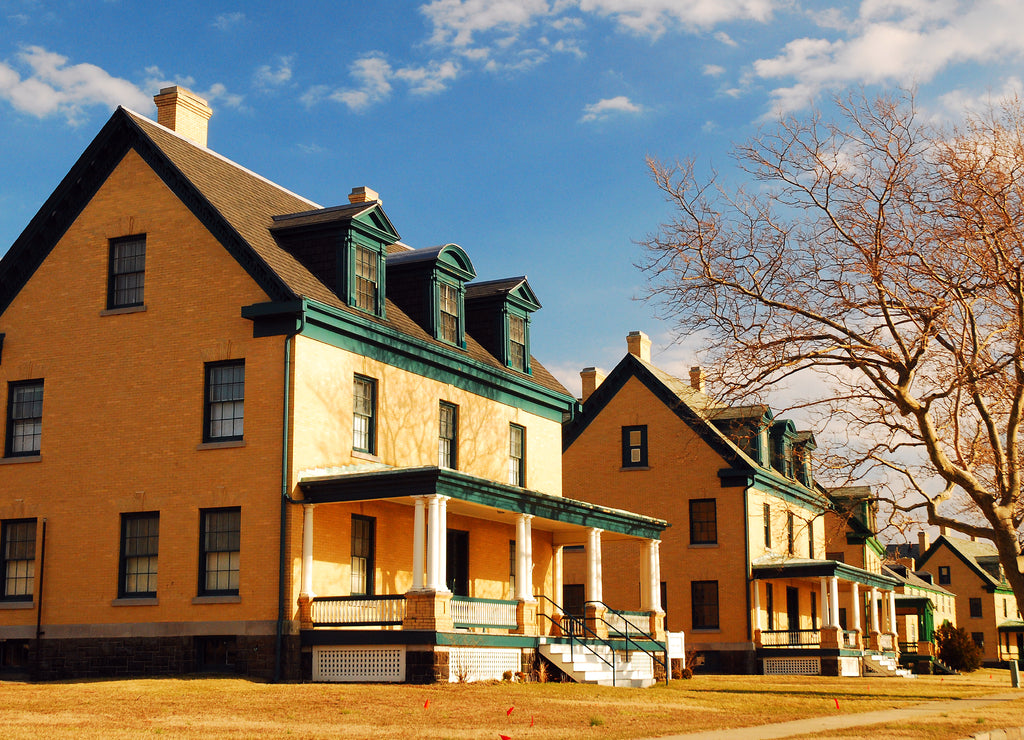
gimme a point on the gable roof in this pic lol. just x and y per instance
(981, 557)
(698, 411)
(236, 205)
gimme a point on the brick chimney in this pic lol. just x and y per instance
(922, 542)
(697, 379)
(591, 377)
(639, 345)
(183, 112)
(363, 195)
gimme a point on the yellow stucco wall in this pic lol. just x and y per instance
(123, 411)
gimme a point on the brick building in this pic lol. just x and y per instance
(248, 433)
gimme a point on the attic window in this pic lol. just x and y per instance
(366, 279)
(448, 327)
(517, 354)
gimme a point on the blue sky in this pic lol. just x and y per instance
(514, 128)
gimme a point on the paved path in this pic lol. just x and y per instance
(838, 721)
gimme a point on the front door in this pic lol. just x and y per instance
(792, 608)
(458, 562)
(1020, 648)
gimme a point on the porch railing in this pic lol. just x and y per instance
(791, 638)
(908, 647)
(493, 613)
(358, 611)
(627, 623)
(849, 639)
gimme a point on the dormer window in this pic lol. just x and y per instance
(518, 357)
(449, 324)
(366, 279)
(498, 316)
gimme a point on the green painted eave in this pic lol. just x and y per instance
(823, 569)
(876, 547)
(404, 482)
(367, 336)
(767, 482)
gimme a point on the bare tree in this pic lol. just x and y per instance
(887, 254)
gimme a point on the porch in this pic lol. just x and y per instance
(834, 615)
(474, 571)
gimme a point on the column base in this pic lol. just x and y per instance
(306, 611)
(526, 618)
(594, 619)
(428, 610)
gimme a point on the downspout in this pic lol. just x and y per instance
(39, 606)
(746, 560)
(285, 497)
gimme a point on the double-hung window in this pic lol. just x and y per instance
(449, 306)
(448, 436)
(127, 278)
(790, 534)
(18, 547)
(225, 401)
(704, 602)
(768, 526)
(516, 455)
(364, 415)
(219, 545)
(363, 532)
(24, 418)
(975, 607)
(703, 522)
(517, 358)
(138, 567)
(366, 279)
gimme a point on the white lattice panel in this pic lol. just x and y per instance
(363, 663)
(482, 664)
(849, 666)
(792, 666)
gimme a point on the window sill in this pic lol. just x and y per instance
(703, 545)
(131, 601)
(217, 600)
(707, 630)
(359, 455)
(17, 605)
(21, 459)
(119, 311)
(634, 467)
(221, 445)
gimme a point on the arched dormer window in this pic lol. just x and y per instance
(430, 285)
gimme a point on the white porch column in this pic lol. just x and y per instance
(875, 627)
(594, 575)
(557, 575)
(435, 579)
(855, 603)
(892, 612)
(650, 593)
(834, 598)
(823, 605)
(419, 525)
(757, 604)
(524, 558)
(442, 543)
(307, 551)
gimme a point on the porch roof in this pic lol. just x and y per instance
(568, 519)
(1013, 625)
(806, 568)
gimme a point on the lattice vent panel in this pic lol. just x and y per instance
(849, 666)
(482, 664)
(359, 663)
(792, 666)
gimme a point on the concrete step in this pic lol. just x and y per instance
(583, 666)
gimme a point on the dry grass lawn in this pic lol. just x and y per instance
(234, 708)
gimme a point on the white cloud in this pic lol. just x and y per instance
(372, 73)
(654, 17)
(53, 87)
(375, 78)
(895, 42)
(216, 93)
(226, 21)
(604, 108)
(456, 21)
(713, 70)
(430, 79)
(267, 76)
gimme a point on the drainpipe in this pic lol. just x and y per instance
(285, 497)
(39, 606)
(746, 558)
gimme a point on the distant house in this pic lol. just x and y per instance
(248, 433)
(744, 567)
(985, 604)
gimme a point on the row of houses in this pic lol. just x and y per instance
(246, 432)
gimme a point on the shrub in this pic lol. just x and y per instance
(957, 649)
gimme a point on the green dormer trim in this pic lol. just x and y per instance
(499, 311)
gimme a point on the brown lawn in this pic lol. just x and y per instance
(234, 708)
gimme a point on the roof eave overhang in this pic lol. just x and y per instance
(824, 569)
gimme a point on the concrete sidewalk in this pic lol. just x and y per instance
(838, 721)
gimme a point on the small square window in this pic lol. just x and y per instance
(634, 446)
(139, 542)
(219, 546)
(24, 418)
(364, 415)
(127, 278)
(18, 547)
(225, 401)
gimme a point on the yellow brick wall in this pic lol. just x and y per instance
(123, 409)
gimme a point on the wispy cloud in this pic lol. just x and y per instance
(227, 21)
(609, 106)
(51, 86)
(376, 78)
(267, 76)
(215, 93)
